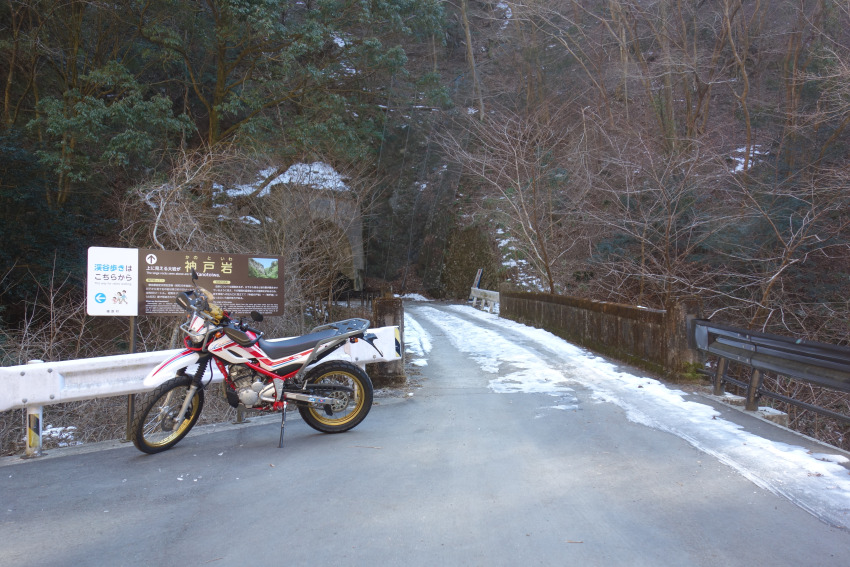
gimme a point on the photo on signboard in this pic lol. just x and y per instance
(265, 268)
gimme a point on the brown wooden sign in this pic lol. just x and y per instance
(240, 283)
(130, 281)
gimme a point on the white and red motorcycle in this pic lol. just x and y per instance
(260, 374)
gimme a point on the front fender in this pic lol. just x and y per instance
(167, 369)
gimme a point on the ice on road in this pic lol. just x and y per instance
(524, 359)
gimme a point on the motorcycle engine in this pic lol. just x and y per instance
(248, 383)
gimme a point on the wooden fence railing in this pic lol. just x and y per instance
(667, 340)
(655, 339)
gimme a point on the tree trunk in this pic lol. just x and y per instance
(470, 57)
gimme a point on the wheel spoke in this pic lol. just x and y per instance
(155, 429)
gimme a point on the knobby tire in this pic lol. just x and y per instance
(153, 426)
(350, 409)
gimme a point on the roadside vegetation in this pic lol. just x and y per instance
(636, 152)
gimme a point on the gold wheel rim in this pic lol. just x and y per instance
(358, 398)
(180, 429)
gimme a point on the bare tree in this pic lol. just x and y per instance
(55, 326)
(652, 63)
(801, 221)
(308, 214)
(470, 58)
(522, 160)
(661, 212)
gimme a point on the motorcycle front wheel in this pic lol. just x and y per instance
(349, 409)
(154, 429)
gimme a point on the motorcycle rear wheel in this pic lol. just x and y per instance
(153, 426)
(350, 409)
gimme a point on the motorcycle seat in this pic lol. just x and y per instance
(281, 348)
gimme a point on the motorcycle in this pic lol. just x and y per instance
(260, 374)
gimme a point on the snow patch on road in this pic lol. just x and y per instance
(816, 482)
(516, 369)
(417, 341)
(413, 297)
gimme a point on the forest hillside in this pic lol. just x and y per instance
(629, 151)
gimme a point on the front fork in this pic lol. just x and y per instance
(178, 419)
(196, 384)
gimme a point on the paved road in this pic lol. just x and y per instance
(453, 474)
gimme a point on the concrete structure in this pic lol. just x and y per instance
(334, 212)
(340, 213)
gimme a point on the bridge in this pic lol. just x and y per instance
(507, 446)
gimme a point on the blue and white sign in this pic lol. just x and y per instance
(113, 282)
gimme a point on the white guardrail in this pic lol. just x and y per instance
(38, 384)
(45, 383)
(488, 298)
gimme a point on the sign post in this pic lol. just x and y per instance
(113, 290)
(476, 283)
(131, 398)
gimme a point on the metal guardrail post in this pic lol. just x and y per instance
(753, 391)
(35, 427)
(131, 409)
(718, 377)
(35, 419)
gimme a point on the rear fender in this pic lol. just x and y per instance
(167, 369)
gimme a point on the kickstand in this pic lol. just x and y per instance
(282, 424)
